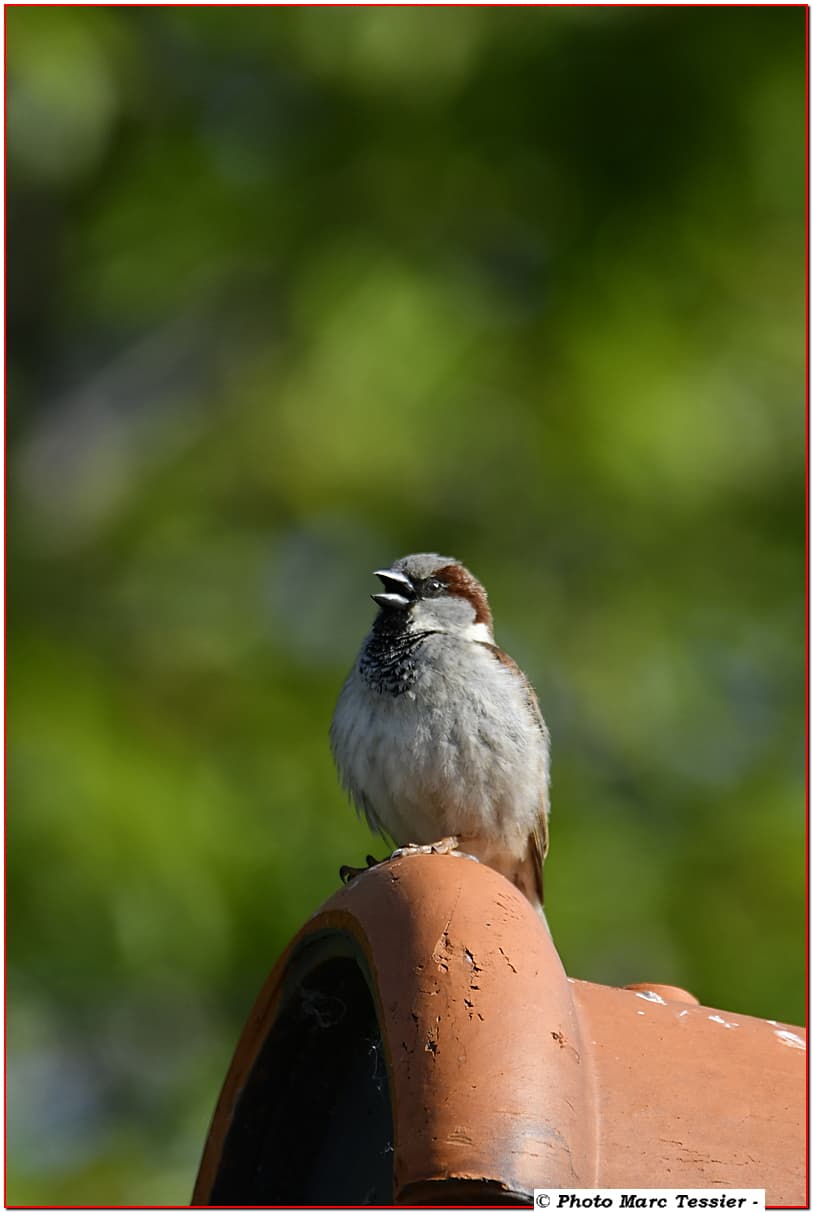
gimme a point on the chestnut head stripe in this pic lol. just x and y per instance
(461, 583)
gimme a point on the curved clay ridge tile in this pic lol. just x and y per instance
(507, 1074)
(487, 1067)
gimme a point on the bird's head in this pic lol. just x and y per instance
(430, 593)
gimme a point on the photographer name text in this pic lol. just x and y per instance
(671, 1200)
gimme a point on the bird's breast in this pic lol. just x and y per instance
(436, 738)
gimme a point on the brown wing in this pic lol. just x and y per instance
(540, 840)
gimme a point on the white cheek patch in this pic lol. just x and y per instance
(421, 619)
(479, 632)
(432, 617)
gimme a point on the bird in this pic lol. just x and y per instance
(437, 733)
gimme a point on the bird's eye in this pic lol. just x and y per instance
(433, 586)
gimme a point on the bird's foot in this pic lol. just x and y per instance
(347, 873)
(444, 846)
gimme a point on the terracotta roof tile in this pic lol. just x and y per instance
(420, 1042)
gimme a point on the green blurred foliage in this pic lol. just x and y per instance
(292, 292)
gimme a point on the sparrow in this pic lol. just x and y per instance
(437, 733)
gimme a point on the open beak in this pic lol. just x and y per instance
(400, 592)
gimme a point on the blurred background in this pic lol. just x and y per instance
(293, 292)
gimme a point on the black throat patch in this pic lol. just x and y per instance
(389, 660)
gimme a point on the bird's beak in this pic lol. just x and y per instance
(400, 592)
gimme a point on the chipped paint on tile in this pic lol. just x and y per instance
(650, 996)
(724, 1022)
(790, 1039)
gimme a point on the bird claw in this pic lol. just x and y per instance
(348, 873)
(444, 846)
